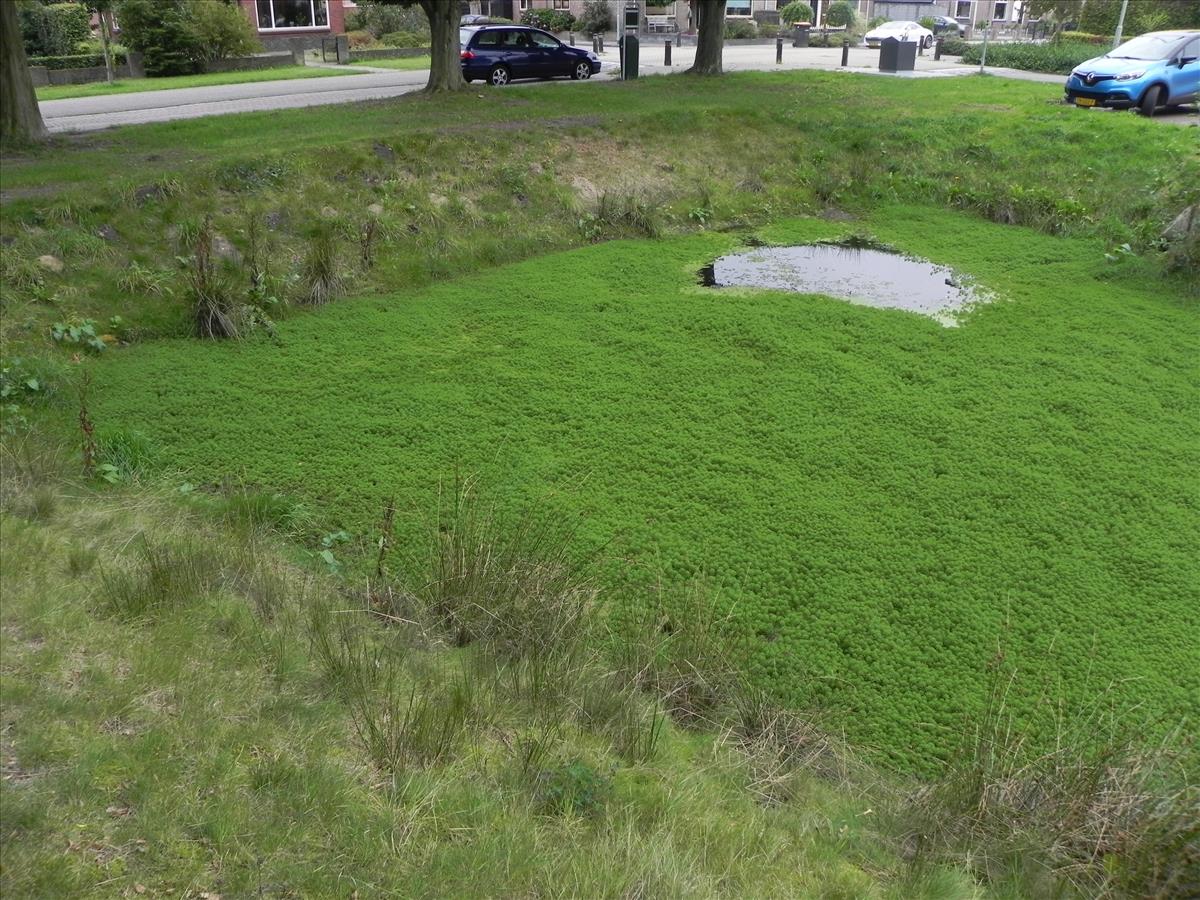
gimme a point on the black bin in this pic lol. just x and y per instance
(897, 56)
(800, 35)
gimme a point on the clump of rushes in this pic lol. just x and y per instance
(214, 310)
(322, 275)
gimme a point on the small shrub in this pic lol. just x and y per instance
(1082, 37)
(405, 39)
(548, 19)
(360, 40)
(161, 30)
(740, 29)
(841, 15)
(954, 46)
(124, 453)
(215, 312)
(769, 29)
(595, 18)
(78, 333)
(138, 279)
(576, 787)
(66, 25)
(796, 11)
(221, 30)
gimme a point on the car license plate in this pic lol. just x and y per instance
(1085, 101)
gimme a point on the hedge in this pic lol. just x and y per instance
(1083, 37)
(548, 19)
(1058, 59)
(75, 61)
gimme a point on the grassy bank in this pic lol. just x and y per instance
(212, 79)
(726, 524)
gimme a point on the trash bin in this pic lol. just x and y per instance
(897, 56)
(800, 34)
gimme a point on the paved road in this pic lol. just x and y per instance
(93, 113)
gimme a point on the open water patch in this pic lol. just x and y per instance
(859, 271)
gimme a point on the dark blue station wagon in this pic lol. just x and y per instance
(499, 53)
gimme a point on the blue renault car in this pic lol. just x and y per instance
(1154, 70)
(499, 53)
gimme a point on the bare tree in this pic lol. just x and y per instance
(711, 40)
(20, 119)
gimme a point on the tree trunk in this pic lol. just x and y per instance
(711, 40)
(104, 33)
(445, 63)
(20, 118)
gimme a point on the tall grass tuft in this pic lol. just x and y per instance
(168, 573)
(215, 312)
(322, 276)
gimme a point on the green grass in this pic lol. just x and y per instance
(212, 79)
(881, 503)
(404, 63)
(203, 747)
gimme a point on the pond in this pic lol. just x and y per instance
(860, 272)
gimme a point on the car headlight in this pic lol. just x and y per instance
(1129, 76)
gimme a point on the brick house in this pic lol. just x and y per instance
(289, 23)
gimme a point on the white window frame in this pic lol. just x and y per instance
(326, 27)
(1003, 17)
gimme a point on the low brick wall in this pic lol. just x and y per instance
(389, 53)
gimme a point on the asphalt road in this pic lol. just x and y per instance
(94, 113)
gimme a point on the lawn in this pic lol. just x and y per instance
(881, 504)
(212, 79)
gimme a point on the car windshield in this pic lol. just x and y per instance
(1148, 46)
(898, 26)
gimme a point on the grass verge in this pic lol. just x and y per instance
(211, 79)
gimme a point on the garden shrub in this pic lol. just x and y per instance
(405, 39)
(66, 25)
(1058, 58)
(385, 18)
(75, 61)
(841, 15)
(360, 39)
(548, 19)
(740, 29)
(954, 46)
(1082, 37)
(796, 11)
(222, 30)
(161, 30)
(768, 29)
(595, 18)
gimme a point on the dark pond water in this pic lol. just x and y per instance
(864, 274)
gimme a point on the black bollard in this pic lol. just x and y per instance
(937, 49)
(595, 46)
(600, 39)
(571, 38)
(778, 51)
(667, 53)
(845, 53)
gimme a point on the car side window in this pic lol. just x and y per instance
(1191, 51)
(519, 39)
(544, 41)
(489, 39)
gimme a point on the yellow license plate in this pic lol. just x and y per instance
(1085, 101)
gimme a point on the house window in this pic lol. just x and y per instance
(962, 9)
(1000, 13)
(525, 4)
(737, 8)
(562, 4)
(292, 14)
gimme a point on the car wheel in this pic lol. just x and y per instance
(1150, 100)
(926, 42)
(582, 71)
(499, 76)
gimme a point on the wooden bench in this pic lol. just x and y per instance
(661, 23)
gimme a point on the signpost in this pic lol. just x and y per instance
(629, 54)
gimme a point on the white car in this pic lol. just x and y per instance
(901, 31)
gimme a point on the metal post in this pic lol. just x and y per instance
(667, 53)
(1120, 23)
(937, 49)
(778, 51)
(845, 53)
(983, 57)
(571, 38)
(600, 41)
